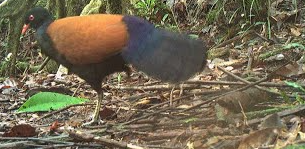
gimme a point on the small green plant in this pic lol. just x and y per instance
(245, 13)
(299, 87)
(294, 45)
(153, 10)
(5, 64)
(146, 8)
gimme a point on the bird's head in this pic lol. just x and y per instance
(35, 17)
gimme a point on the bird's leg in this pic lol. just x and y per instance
(97, 110)
(95, 117)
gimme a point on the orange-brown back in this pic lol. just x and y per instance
(88, 39)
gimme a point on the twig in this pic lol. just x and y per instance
(229, 92)
(78, 87)
(154, 87)
(108, 142)
(240, 89)
(199, 84)
(171, 97)
(86, 104)
(258, 82)
(25, 142)
(173, 124)
(250, 60)
(266, 84)
(19, 144)
(243, 113)
(44, 63)
(245, 81)
(233, 39)
(63, 109)
(184, 97)
(281, 114)
(145, 116)
(139, 96)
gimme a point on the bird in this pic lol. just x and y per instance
(95, 46)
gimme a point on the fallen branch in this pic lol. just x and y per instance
(30, 142)
(108, 142)
(284, 113)
(155, 87)
(194, 84)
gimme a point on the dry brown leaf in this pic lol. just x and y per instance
(226, 143)
(295, 31)
(107, 114)
(247, 98)
(259, 138)
(22, 130)
(291, 135)
(272, 121)
(290, 70)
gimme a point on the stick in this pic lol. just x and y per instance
(44, 63)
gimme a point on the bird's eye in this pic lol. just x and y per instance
(31, 17)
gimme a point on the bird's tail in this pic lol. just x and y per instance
(165, 55)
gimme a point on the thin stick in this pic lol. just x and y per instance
(44, 63)
(244, 114)
(171, 97)
(108, 142)
(240, 89)
(199, 84)
(78, 87)
(63, 109)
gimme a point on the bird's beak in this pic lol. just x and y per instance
(25, 28)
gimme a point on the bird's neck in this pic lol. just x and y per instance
(46, 23)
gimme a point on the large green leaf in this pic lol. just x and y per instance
(46, 101)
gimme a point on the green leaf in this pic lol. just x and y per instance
(190, 120)
(259, 23)
(295, 85)
(299, 98)
(285, 97)
(165, 17)
(294, 45)
(119, 78)
(47, 101)
(193, 36)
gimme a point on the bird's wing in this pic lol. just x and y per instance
(88, 39)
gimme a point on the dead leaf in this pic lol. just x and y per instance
(54, 126)
(226, 144)
(272, 121)
(295, 31)
(259, 138)
(290, 70)
(79, 136)
(74, 122)
(247, 98)
(290, 136)
(107, 114)
(22, 130)
(4, 125)
(147, 102)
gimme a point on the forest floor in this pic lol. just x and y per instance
(250, 95)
